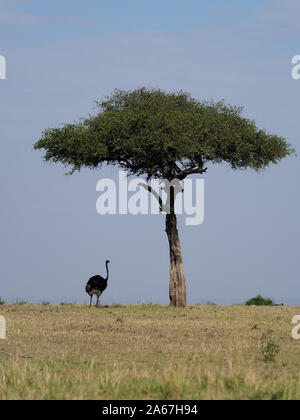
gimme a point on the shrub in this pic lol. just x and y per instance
(269, 349)
(20, 302)
(260, 301)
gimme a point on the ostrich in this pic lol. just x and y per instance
(96, 285)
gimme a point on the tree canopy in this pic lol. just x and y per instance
(162, 135)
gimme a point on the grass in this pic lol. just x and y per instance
(149, 352)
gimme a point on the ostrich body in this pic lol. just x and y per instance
(96, 285)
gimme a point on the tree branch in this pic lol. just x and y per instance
(156, 195)
(190, 171)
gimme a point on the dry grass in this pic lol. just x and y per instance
(147, 352)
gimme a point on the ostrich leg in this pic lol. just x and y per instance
(91, 300)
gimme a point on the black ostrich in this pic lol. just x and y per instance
(96, 285)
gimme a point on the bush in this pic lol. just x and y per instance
(2, 302)
(260, 301)
(269, 349)
(20, 302)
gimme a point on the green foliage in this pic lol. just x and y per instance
(2, 302)
(260, 301)
(20, 302)
(162, 135)
(269, 349)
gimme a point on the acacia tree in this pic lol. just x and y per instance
(163, 136)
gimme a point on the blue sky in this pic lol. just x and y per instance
(64, 18)
(63, 55)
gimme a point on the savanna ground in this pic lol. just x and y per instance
(149, 352)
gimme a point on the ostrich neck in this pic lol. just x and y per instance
(107, 272)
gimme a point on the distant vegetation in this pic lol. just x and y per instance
(260, 301)
(21, 302)
(2, 302)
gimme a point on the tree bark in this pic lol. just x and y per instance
(177, 289)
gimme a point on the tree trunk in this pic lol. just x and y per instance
(177, 288)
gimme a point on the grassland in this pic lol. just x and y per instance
(148, 352)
